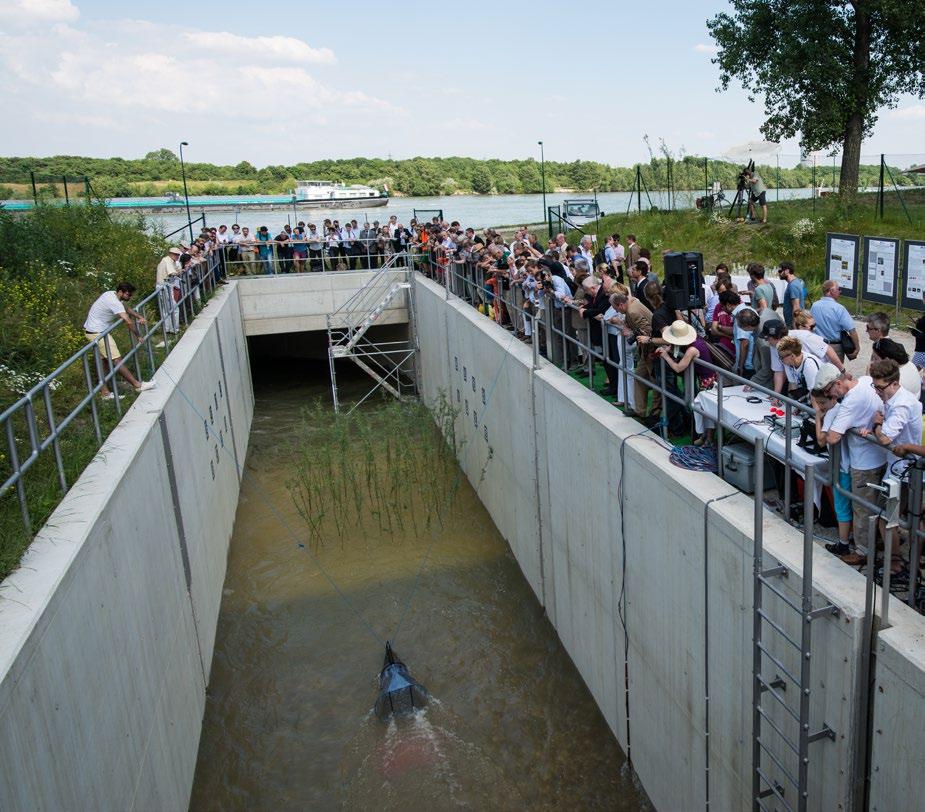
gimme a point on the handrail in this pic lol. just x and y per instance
(470, 282)
(36, 407)
(387, 267)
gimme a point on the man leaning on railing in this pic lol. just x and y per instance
(100, 318)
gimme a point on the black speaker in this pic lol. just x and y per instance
(684, 280)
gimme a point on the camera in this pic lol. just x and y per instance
(744, 173)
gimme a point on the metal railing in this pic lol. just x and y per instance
(550, 321)
(277, 257)
(37, 412)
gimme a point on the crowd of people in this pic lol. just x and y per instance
(613, 301)
(331, 246)
(583, 303)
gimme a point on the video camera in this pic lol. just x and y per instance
(742, 181)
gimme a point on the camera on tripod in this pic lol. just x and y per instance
(744, 175)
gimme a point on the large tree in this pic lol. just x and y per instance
(824, 67)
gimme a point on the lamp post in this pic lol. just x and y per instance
(189, 217)
(543, 176)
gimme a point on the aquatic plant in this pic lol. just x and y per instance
(390, 470)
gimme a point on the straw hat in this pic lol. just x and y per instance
(679, 333)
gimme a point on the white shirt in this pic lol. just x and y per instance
(902, 420)
(910, 380)
(222, 238)
(235, 237)
(613, 329)
(561, 291)
(808, 371)
(103, 312)
(857, 411)
(812, 345)
(844, 462)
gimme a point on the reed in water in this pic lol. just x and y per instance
(390, 470)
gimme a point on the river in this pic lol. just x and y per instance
(288, 721)
(478, 211)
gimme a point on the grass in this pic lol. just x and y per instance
(78, 446)
(721, 239)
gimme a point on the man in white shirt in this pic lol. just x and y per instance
(166, 278)
(815, 345)
(103, 313)
(859, 407)
(899, 424)
(234, 253)
(586, 250)
(615, 255)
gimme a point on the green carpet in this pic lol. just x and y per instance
(599, 385)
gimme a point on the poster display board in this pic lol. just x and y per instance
(842, 252)
(881, 269)
(913, 274)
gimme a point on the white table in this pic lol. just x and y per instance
(737, 409)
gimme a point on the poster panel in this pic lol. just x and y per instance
(913, 274)
(841, 261)
(881, 270)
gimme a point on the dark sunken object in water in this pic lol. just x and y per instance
(399, 692)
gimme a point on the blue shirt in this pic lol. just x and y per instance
(739, 334)
(795, 290)
(831, 318)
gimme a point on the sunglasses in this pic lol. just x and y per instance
(884, 387)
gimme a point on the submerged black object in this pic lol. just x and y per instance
(399, 692)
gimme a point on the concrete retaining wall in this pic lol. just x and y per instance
(293, 303)
(544, 454)
(107, 629)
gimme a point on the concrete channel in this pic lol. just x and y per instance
(107, 631)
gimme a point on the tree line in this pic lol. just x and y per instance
(159, 172)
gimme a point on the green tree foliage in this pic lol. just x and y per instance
(824, 67)
(118, 177)
(162, 154)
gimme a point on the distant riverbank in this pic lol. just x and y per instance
(478, 211)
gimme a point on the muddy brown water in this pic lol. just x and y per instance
(288, 721)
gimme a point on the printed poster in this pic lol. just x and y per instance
(881, 266)
(915, 272)
(842, 260)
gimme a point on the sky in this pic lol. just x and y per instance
(284, 81)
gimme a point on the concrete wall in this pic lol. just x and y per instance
(293, 303)
(544, 454)
(107, 629)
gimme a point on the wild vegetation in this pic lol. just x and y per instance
(159, 173)
(54, 261)
(389, 471)
(796, 231)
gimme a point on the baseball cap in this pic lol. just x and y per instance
(774, 328)
(827, 375)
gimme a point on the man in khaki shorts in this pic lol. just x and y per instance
(100, 317)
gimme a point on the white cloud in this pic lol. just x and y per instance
(136, 71)
(914, 112)
(702, 48)
(286, 49)
(25, 13)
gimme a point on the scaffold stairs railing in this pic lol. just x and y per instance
(389, 363)
(775, 785)
(348, 336)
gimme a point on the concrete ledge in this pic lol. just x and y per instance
(106, 630)
(551, 482)
(290, 303)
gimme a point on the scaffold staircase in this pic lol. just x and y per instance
(781, 672)
(390, 364)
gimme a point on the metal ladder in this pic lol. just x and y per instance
(766, 785)
(389, 363)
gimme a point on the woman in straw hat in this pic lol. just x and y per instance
(683, 348)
